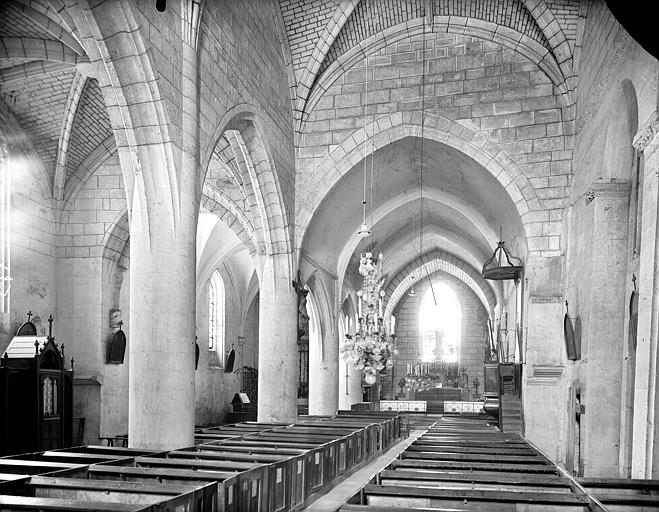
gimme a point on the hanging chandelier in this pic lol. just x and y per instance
(497, 269)
(370, 350)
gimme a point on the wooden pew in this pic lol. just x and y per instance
(401, 496)
(501, 482)
(156, 495)
(250, 467)
(474, 466)
(226, 482)
(27, 503)
(462, 464)
(624, 495)
(252, 477)
(31, 467)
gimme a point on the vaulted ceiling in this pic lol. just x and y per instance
(61, 111)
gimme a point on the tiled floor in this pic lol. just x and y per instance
(343, 491)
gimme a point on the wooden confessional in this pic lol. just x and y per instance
(36, 394)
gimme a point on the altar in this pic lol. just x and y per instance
(440, 394)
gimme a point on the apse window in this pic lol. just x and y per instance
(440, 317)
(216, 313)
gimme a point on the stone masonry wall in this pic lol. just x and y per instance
(242, 69)
(481, 85)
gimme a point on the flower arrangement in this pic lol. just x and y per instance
(369, 350)
(371, 355)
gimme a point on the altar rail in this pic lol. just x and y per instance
(244, 467)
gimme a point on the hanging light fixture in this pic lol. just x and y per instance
(497, 269)
(369, 350)
(423, 122)
(364, 230)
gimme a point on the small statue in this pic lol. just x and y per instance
(115, 318)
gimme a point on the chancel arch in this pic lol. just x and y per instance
(440, 315)
(441, 330)
(392, 128)
(430, 263)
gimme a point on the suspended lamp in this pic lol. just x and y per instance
(502, 265)
(364, 230)
(369, 350)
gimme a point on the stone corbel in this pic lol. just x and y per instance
(609, 189)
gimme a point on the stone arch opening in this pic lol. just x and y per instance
(439, 317)
(396, 127)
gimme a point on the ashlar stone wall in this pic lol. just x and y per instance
(481, 85)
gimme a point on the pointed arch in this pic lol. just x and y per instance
(431, 263)
(75, 93)
(323, 44)
(241, 128)
(485, 30)
(392, 127)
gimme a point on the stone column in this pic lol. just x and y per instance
(645, 455)
(355, 385)
(162, 279)
(324, 379)
(605, 315)
(350, 388)
(277, 400)
(324, 376)
(545, 358)
(162, 314)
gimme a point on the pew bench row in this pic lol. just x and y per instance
(466, 464)
(247, 467)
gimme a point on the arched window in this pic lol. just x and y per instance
(216, 313)
(5, 226)
(439, 316)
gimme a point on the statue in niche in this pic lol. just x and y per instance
(302, 315)
(302, 339)
(115, 318)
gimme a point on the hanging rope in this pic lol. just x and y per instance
(423, 122)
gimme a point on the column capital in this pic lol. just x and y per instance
(609, 189)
